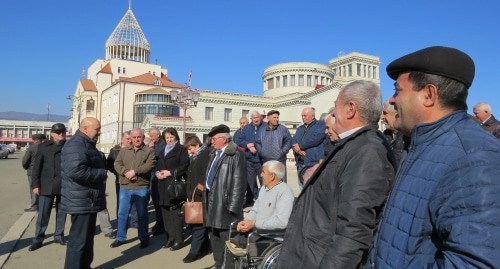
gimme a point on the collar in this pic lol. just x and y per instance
(423, 132)
(268, 189)
(348, 133)
(486, 120)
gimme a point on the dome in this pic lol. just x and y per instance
(127, 41)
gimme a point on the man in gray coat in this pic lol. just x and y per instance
(27, 162)
(333, 219)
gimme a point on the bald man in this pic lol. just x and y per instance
(84, 177)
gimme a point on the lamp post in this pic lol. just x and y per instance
(185, 98)
(79, 99)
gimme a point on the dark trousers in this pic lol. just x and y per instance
(45, 203)
(173, 221)
(218, 238)
(155, 197)
(33, 197)
(80, 250)
(200, 243)
(253, 171)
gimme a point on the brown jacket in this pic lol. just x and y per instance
(142, 161)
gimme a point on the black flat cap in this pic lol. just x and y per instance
(218, 130)
(273, 112)
(58, 127)
(437, 60)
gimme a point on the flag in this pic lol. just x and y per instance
(189, 77)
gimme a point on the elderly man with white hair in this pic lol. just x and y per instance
(482, 112)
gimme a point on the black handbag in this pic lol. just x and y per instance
(176, 188)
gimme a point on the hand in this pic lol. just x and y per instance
(130, 174)
(251, 148)
(36, 191)
(200, 187)
(296, 148)
(245, 225)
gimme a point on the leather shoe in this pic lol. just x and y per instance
(191, 257)
(168, 244)
(144, 244)
(111, 235)
(31, 209)
(176, 246)
(61, 241)
(35, 246)
(117, 243)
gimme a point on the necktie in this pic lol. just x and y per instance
(211, 173)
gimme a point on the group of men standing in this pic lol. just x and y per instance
(440, 210)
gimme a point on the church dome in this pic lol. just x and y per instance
(127, 41)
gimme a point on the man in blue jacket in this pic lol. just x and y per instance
(83, 191)
(307, 143)
(443, 211)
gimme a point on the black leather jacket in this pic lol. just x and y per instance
(223, 203)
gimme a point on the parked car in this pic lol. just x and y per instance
(4, 152)
(11, 148)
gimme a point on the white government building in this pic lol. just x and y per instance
(125, 91)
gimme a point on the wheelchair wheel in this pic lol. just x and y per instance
(270, 257)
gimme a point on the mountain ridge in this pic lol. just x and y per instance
(25, 116)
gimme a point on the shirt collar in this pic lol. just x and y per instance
(348, 133)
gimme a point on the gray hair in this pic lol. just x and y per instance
(227, 136)
(155, 130)
(483, 105)
(255, 112)
(138, 130)
(276, 167)
(390, 107)
(368, 98)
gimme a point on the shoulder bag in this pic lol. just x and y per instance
(193, 211)
(176, 188)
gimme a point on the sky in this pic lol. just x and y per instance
(227, 44)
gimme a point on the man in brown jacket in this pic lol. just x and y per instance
(134, 164)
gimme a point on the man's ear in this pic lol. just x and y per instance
(352, 109)
(429, 95)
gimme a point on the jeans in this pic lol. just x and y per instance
(139, 198)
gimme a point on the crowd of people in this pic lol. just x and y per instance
(421, 194)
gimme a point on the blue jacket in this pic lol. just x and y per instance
(444, 209)
(310, 140)
(249, 135)
(273, 144)
(84, 176)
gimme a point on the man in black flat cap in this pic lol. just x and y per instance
(46, 183)
(224, 192)
(274, 141)
(443, 209)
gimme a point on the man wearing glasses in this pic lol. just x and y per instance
(224, 192)
(46, 176)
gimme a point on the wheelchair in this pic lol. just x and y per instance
(262, 249)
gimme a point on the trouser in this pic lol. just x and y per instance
(80, 249)
(155, 197)
(45, 203)
(104, 221)
(218, 238)
(139, 198)
(253, 172)
(132, 221)
(173, 221)
(33, 196)
(200, 243)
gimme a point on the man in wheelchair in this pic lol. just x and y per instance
(270, 212)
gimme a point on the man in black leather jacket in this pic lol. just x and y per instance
(224, 192)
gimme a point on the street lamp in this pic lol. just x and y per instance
(185, 98)
(79, 99)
